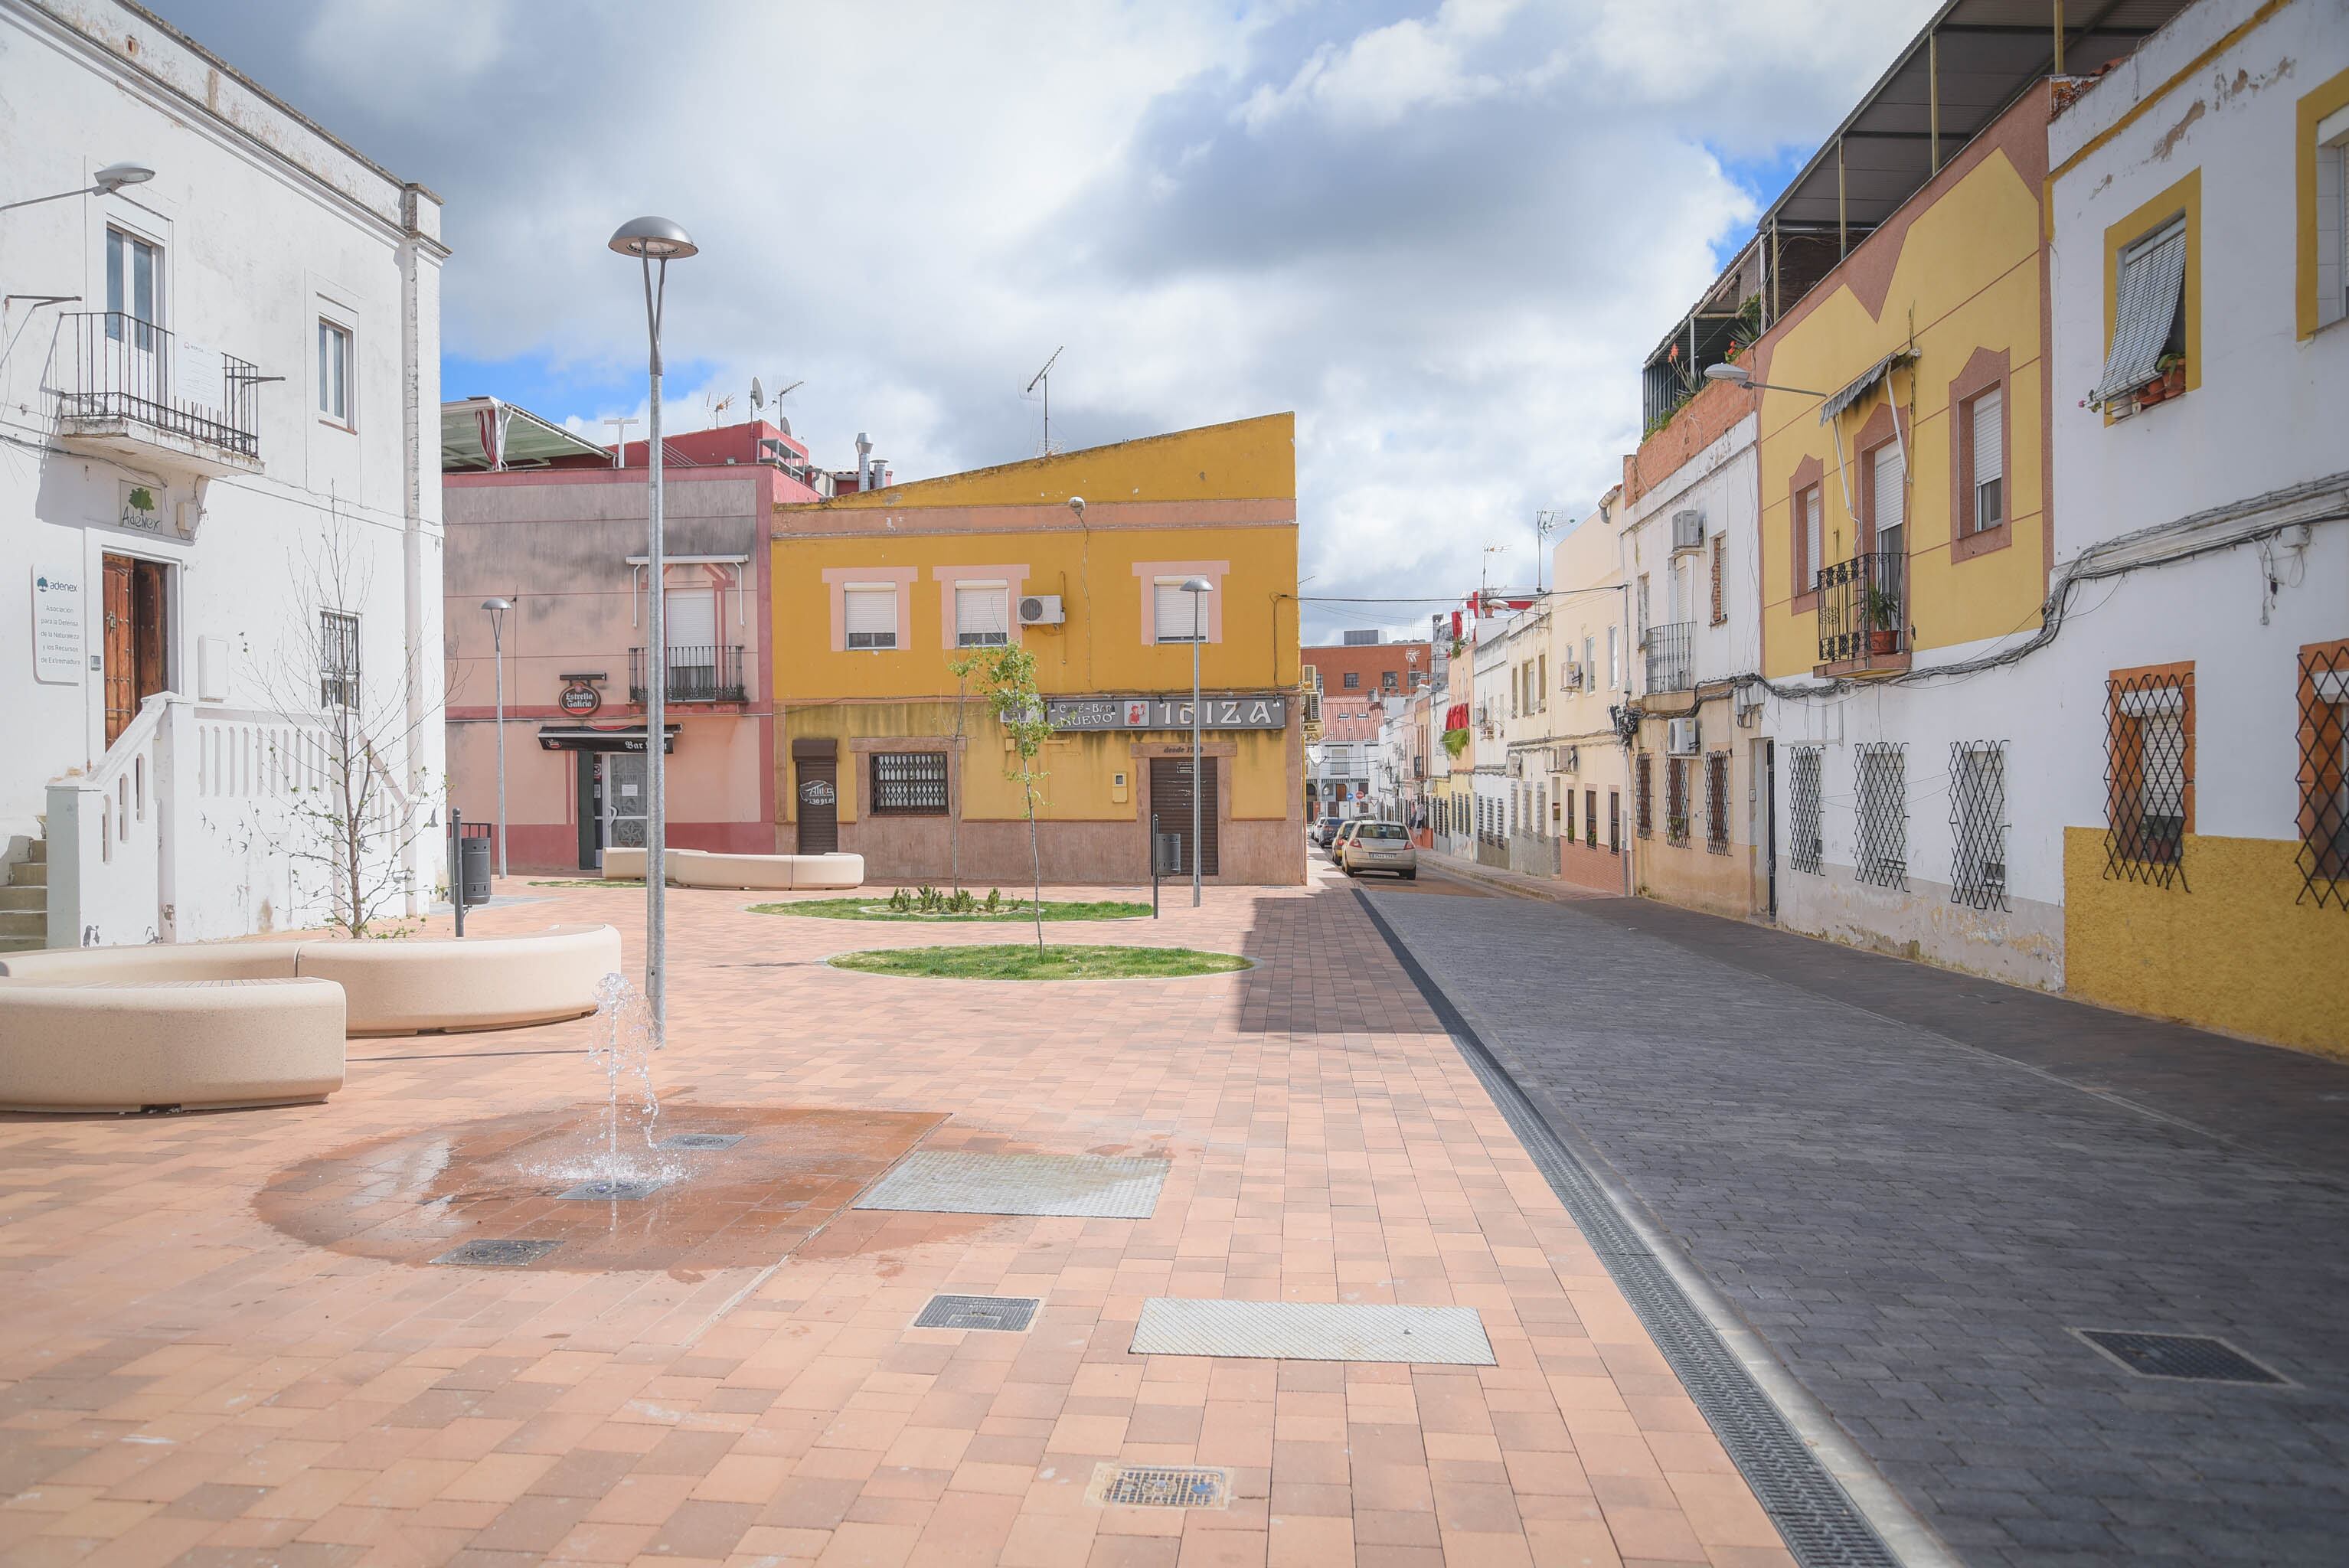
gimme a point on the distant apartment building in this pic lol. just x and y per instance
(556, 525)
(222, 543)
(1590, 637)
(1339, 766)
(1366, 664)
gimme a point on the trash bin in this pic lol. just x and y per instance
(474, 868)
(1169, 853)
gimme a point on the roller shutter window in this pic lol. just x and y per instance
(871, 617)
(1989, 435)
(1175, 610)
(981, 616)
(1815, 539)
(1888, 498)
(2148, 310)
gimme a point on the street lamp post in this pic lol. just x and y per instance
(497, 609)
(1195, 587)
(105, 182)
(651, 239)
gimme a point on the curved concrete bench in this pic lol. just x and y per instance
(392, 987)
(122, 1045)
(409, 987)
(708, 868)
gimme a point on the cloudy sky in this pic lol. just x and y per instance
(1443, 234)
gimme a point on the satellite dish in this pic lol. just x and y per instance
(758, 396)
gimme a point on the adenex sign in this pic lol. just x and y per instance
(1267, 710)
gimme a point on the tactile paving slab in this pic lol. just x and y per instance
(1092, 1186)
(1312, 1331)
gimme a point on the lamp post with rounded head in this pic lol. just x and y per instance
(497, 609)
(1738, 375)
(651, 239)
(105, 182)
(1195, 587)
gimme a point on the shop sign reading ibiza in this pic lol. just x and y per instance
(1267, 710)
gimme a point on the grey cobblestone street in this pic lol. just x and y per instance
(1916, 1186)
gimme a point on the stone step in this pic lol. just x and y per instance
(19, 922)
(24, 898)
(28, 873)
(21, 944)
(36, 848)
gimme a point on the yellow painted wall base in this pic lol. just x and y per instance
(2234, 952)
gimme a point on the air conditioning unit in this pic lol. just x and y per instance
(1041, 610)
(1570, 677)
(1681, 737)
(1517, 764)
(1312, 707)
(1688, 529)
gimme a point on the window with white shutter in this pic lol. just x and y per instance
(871, 616)
(1988, 434)
(1174, 611)
(1889, 498)
(2148, 310)
(1815, 539)
(982, 616)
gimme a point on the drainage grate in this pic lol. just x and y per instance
(1003, 1314)
(498, 1255)
(1813, 1515)
(1312, 1331)
(2188, 1357)
(701, 1140)
(1088, 1185)
(1160, 1486)
(615, 1191)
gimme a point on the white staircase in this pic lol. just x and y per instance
(25, 900)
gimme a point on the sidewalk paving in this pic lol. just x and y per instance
(183, 1379)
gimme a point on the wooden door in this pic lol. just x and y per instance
(148, 640)
(120, 656)
(818, 805)
(1170, 802)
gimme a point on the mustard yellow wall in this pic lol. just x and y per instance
(1242, 461)
(1967, 277)
(2235, 953)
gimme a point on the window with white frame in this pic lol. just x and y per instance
(1815, 539)
(1182, 617)
(335, 372)
(870, 614)
(2333, 217)
(338, 659)
(2149, 314)
(1883, 815)
(1806, 846)
(982, 614)
(1978, 824)
(134, 288)
(1614, 659)
(1985, 419)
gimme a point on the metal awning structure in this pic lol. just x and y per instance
(484, 434)
(1863, 383)
(587, 738)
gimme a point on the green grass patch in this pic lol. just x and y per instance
(870, 908)
(1022, 962)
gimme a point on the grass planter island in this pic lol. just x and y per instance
(872, 909)
(1021, 961)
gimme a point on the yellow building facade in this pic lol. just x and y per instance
(883, 751)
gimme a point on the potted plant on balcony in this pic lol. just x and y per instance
(2172, 366)
(1879, 617)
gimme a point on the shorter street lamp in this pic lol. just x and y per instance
(105, 182)
(1197, 587)
(1738, 375)
(497, 609)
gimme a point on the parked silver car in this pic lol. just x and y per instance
(1379, 846)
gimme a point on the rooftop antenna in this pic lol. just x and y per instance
(619, 441)
(1545, 522)
(1043, 378)
(758, 399)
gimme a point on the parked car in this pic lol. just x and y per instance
(1379, 846)
(1338, 840)
(1326, 833)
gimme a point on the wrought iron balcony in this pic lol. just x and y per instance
(1864, 609)
(1672, 664)
(696, 674)
(133, 388)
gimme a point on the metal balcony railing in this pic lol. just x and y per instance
(1864, 609)
(1672, 664)
(118, 367)
(696, 674)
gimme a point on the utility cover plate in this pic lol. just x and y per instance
(2188, 1357)
(1161, 1486)
(1002, 1314)
(615, 1191)
(1088, 1185)
(701, 1140)
(498, 1255)
(1312, 1331)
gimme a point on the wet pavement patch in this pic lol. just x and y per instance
(502, 1253)
(628, 1192)
(700, 1140)
(423, 1197)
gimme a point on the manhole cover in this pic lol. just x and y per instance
(1092, 1186)
(615, 1191)
(1312, 1331)
(1003, 1314)
(702, 1140)
(499, 1255)
(2192, 1358)
(1161, 1486)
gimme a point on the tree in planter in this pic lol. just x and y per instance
(963, 668)
(1009, 675)
(347, 820)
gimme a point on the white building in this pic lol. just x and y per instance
(216, 382)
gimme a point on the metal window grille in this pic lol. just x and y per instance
(1978, 824)
(1883, 790)
(1720, 590)
(1676, 799)
(2149, 777)
(1590, 818)
(338, 659)
(1647, 782)
(2324, 775)
(1807, 845)
(1717, 803)
(909, 783)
